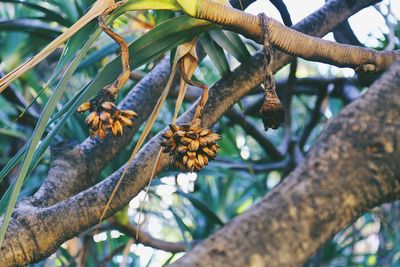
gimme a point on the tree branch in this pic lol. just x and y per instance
(280, 5)
(289, 40)
(345, 35)
(253, 167)
(147, 240)
(315, 117)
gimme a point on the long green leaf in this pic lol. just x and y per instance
(72, 46)
(216, 54)
(26, 25)
(171, 5)
(181, 225)
(65, 113)
(66, 8)
(232, 43)
(75, 43)
(50, 15)
(13, 133)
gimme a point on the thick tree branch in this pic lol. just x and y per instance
(352, 168)
(288, 40)
(35, 233)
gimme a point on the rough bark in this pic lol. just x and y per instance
(37, 230)
(351, 168)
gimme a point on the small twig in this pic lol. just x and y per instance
(269, 82)
(287, 102)
(345, 35)
(252, 166)
(204, 95)
(315, 117)
(280, 5)
(143, 237)
(272, 111)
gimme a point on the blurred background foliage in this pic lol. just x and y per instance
(184, 209)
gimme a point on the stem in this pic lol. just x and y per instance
(115, 87)
(269, 82)
(204, 95)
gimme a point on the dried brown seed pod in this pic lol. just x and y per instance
(272, 113)
(190, 146)
(105, 116)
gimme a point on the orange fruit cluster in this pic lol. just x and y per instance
(191, 147)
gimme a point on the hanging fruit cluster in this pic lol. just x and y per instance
(104, 115)
(272, 111)
(190, 146)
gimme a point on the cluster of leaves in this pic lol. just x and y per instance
(180, 207)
